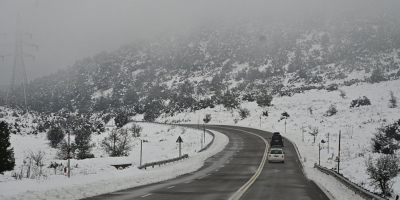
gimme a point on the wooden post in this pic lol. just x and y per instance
(319, 154)
(141, 151)
(338, 164)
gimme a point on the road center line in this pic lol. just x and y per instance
(170, 187)
(146, 195)
(246, 186)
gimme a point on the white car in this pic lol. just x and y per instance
(276, 155)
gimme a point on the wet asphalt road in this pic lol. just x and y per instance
(226, 172)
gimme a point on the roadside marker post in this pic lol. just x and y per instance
(141, 151)
(180, 141)
(69, 154)
(338, 164)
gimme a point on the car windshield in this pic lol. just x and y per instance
(276, 151)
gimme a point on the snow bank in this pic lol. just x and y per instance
(96, 176)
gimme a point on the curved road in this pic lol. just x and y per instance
(224, 174)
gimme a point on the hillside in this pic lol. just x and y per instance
(193, 69)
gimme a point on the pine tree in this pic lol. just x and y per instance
(55, 135)
(82, 141)
(229, 100)
(392, 100)
(264, 99)
(7, 160)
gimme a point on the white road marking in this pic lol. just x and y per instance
(170, 187)
(188, 182)
(246, 186)
(146, 195)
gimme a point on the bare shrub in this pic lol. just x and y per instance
(313, 131)
(118, 143)
(136, 129)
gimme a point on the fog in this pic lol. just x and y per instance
(66, 31)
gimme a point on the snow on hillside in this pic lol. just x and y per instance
(96, 176)
(357, 125)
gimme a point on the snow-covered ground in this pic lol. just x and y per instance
(96, 176)
(357, 126)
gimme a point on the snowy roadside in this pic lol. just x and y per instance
(107, 179)
(328, 183)
(357, 126)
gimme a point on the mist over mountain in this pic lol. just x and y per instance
(279, 52)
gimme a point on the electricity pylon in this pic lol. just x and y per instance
(16, 94)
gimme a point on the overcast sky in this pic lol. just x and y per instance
(66, 31)
(69, 30)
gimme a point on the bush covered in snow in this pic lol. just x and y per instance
(387, 138)
(382, 171)
(332, 110)
(207, 118)
(244, 113)
(364, 101)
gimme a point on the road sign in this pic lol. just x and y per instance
(179, 139)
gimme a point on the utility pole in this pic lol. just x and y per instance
(16, 94)
(69, 154)
(338, 164)
(260, 120)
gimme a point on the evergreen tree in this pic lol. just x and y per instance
(82, 141)
(392, 100)
(55, 135)
(230, 100)
(121, 119)
(264, 99)
(7, 160)
(377, 76)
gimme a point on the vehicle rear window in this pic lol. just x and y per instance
(276, 151)
(276, 137)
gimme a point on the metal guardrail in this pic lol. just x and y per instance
(190, 127)
(356, 188)
(163, 162)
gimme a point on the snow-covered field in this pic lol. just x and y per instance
(357, 126)
(96, 176)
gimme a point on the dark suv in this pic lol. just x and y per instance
(276, 139)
